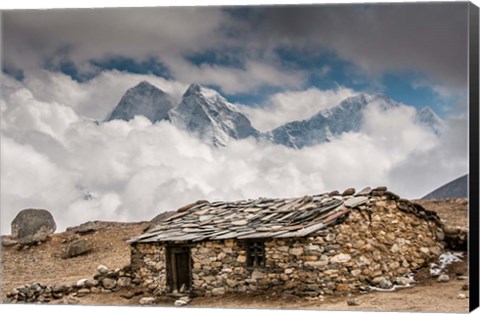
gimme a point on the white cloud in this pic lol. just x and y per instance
(294, 105)
(134, 170)
(249, 78)
(93, 99)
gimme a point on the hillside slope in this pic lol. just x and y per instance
(457, 188)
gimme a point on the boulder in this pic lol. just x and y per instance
(78, 247)
(32, 226)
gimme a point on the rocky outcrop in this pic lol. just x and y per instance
(32, 225)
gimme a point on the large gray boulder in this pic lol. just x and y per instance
(32, 225)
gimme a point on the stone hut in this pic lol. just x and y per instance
(310, 246)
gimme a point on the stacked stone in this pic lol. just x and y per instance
(377, 245)
(105, 281)
(149, 267)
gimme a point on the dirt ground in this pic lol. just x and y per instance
(44, 263)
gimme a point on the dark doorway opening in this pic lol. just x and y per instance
(179, 268)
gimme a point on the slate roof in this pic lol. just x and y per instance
(259, 218)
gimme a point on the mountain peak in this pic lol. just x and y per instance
(193, 89)
(205, 112)
(143, 99)
(427, 117)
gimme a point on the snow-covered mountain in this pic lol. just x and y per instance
(344, 117)
(206, 113)
(430, 119)
(328, 123)
(143, 99)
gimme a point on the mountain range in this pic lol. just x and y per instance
(208, 115)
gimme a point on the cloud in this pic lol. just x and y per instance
(33, 36)
(289, 106)
(93, 99)
(131, 171)
(252, 76)
(378, 38)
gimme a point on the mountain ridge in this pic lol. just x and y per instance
(210, 116)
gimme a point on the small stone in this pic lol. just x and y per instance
(147, 301)
(465, 287)
(256, 274)
(180, 303)
(425, 250)
(109, 283)
(59, 288)
(81, 283)
(461, 296)
(436, 250)
(83, 292)
(365, 192)
(296, 251)
(403, 281)
(334, 193)
(462, 277)
(353, 302)
(443, 278)
(241, 259)
(124, 282)
(385, 284)
(340, 258)
(342, 287)
(349, 191)
(218, 291)
(91, 283)
(356, 272)
(356, 201)
(231, 283)
(102, 269)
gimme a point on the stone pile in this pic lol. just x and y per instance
(328, 244)
(105, 281)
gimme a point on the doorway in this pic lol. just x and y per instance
(179, 268)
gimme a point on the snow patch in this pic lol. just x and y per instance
(444, 260)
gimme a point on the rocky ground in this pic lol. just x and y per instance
(46, 264)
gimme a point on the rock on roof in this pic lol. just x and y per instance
(265, 217)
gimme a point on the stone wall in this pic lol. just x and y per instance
(149, 267)
(105, 281)
(377, 245)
